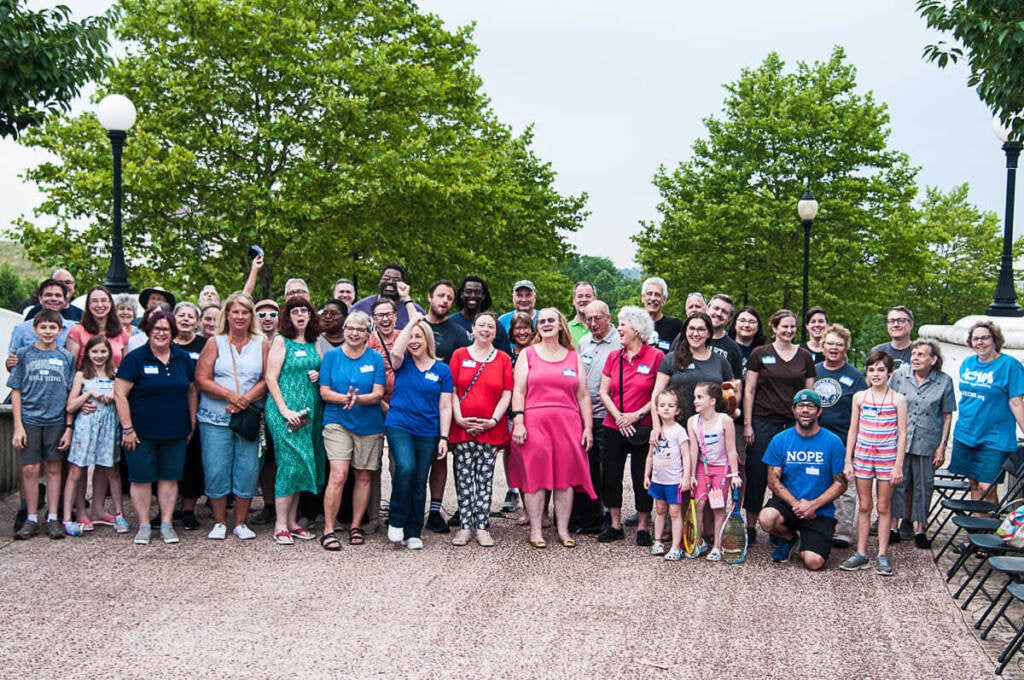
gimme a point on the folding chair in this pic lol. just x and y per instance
(1016, 592)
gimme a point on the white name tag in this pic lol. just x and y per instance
(468, 363)
(432, 377)
(194, 356)
(366, 369)
(846, 380)
(150, 370)
(300, 354)
(768, 359)
(103, 382)
(664, 344)
(588, 359)
(54, 361)
(569, 372)
(643, 369)
(813, 471)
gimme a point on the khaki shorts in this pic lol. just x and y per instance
(364, 450)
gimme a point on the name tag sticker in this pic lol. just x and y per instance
(813, 471)
(194, 356)
(432, 377)
(588, 359)
(54, 361)
(664, 344)
(300, 354)
(768, 360)
(643, 369)
(468, 363)
(846, 380)
(569, 372)
(150, 370)
(366, 368)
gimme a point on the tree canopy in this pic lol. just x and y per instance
(728, 214)
(990, 34)
(338, 136)
(45, 58)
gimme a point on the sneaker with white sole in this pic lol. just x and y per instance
(243, 532)
(414, 543)
(714, 555)
(121, 525)
(855, 562)
(168, 533)
(883, 567)
(142, 537)
(396, 534)
(218, 533)
(484, 539)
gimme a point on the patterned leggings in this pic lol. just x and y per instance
(474, 470)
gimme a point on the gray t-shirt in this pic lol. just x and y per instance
(44, 378)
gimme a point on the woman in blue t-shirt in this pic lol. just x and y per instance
(991, 409)
(417, 426)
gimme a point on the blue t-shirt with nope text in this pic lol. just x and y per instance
(808, 463)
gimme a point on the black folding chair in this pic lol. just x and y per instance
(1016, 592)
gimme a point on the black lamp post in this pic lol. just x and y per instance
(1004, 302)
(807, 209)
(117, 114)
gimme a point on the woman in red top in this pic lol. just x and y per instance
(482, 379)
(99, 318)
(627, 383)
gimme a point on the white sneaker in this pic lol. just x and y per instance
(243, 532)
(414, 543)
(462, 537)
(483, 537)
(396, 534)
(218, 533)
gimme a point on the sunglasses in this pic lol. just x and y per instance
(266, 315)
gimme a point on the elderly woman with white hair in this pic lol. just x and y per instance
(626, 385)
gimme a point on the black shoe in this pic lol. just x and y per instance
(873, 529)
(751, 535)
(20, 518)
(921, 541)
(632, 520)
(906, 529)
(610, 534)
(436, 523)
(188, 520)
(265, 516)
(894, 536)
(643, 539)
(840, 543)
(455, 520)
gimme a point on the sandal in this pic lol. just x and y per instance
(356, 536)
(283, 537)
(330, 542)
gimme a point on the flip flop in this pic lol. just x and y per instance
(283, 537)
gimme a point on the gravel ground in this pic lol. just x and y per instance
(99, 606)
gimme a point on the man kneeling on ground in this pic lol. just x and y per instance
(805, 474)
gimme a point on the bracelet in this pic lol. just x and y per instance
(517, 413)
(127, 430)
(494, 419)
(444, 437)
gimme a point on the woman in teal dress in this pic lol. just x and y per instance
(295, 415)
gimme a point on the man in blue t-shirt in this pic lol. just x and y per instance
(805, 474)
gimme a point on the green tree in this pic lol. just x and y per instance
(990, 33)
(15, 291)
(613, 286)
(338, 136)
(728, 214)
(45, 58)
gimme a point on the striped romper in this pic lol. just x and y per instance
(874, 453)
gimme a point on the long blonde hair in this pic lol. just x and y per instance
(238, 298)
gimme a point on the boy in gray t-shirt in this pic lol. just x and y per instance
(40, 383)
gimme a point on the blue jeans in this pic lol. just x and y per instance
(231, 464)
(412, 456)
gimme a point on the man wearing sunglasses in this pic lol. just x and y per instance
(266, 313)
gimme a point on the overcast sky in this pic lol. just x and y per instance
(613, 90)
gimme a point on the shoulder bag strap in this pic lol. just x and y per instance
(476, 375)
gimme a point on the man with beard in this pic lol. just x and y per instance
(524, 299)
(448, 336)
(654, 293)
(267, 312)
(390, 277)
(805, 474)
(473, 298)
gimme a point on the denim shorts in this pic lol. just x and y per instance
(231, 464)
(980, 463)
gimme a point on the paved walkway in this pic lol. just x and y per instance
(99, 606)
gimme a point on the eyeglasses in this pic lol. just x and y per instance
(390, 279)
(296, 291)
(897, 322)
(697, 331)
(160, 329)
(357, 329)
(546, 321)
(266, 315)
(976, 338)
(835, 344)
(384, 315)
(595, 319)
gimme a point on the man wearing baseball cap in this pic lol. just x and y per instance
(805, 474)
(524, 299)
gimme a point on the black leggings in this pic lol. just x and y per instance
(757, 471)
(613, 467)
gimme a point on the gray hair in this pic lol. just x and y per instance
(185, 304)
(933, 346)
(359, 318)
(291, 281)
(639, 319)
(655, 281)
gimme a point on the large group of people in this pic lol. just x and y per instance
(224, 398)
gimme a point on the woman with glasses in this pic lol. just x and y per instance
(991, 410)
(156, 405)
(748, 332)
(775, 373)
(520, 333)
(690, 363)
(332, 322)
(552, 425)
(352, 378)
(230, 375)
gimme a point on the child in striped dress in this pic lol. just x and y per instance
(875, 447)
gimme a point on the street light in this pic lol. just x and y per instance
(807, 209)
(1005, 301)
(117, 115)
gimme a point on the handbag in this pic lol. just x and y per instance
(245, 423)
(641, 433)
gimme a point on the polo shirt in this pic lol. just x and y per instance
(594, 354)
(158, 399)
(638, 378)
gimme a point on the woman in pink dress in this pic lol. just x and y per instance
(552, 426)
